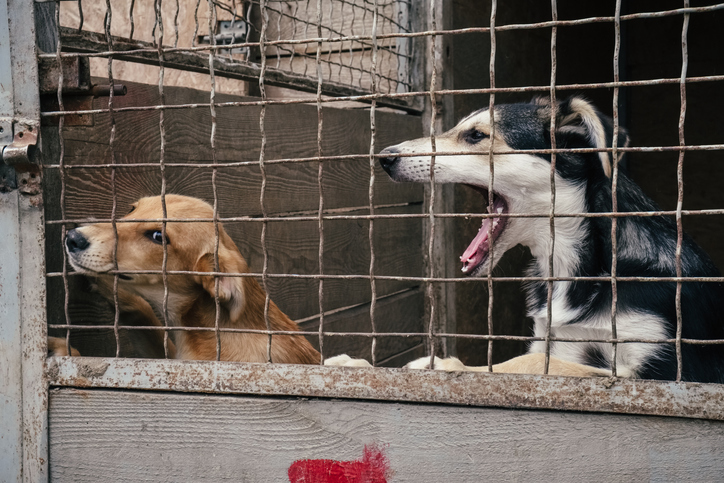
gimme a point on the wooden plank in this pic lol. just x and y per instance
(401, 312)
(291, 133)
(298, 21)
(351, 68)
(170, 437)
(522, 391)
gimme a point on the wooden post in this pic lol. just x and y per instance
(23, 339)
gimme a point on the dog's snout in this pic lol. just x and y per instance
(75, 241)
(389, 159)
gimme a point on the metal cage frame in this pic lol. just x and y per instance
(22, 211)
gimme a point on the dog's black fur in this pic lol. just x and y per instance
(646, 247)
(702, 303)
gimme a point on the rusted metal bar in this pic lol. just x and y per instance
(651, 149)
(411, 279)
(428, 33)
(523, 338)
(262, 152)
(371, 190)
(111, 94)
(680, 188)
(284, 217)
(162, 167)
(610, 395)
(431, 188)
(551, 214)
(614, 185)
(320, 183)
(491, 178)
(382, 98)
(61, 172)
(105, 91)
(212, 141)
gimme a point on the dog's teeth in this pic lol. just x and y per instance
(500, 209)
(465, 269)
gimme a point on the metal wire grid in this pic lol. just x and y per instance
(348, 61)
(291, 31)
(321, 215)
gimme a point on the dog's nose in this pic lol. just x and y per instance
(75, 241)
(389, 159)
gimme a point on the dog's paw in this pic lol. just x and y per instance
(451, 364)
(346, 361)
(57, 347)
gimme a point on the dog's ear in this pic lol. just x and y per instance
(578, 116)
(231, 289)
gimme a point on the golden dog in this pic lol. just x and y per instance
(191, 302)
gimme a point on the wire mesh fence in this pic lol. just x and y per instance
(325, 55)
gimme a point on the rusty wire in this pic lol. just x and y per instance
(111, 142)
(325, 30)
(377, 94)
(491, 179)
(648, 149)
(62, 174)
(382, 97)
(614, 185)
(330, 216)
(431, 200)
(428, 33)
(551, 216)
(680, 189)
(371, 191)
(320, 184)
(212, 141)
(400, 278)
(162, 168)
(520, 338)
(262, 168)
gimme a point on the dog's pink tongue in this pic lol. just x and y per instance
(478, 248)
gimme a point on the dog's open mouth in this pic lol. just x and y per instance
(479, 249)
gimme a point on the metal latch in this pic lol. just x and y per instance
(16, 168)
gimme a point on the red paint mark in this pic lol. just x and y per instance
(373, 467)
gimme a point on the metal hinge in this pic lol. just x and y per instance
(17, 171)
(229, 32)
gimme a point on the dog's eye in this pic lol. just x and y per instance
(156, 236)
(473, 136)
(133, 208)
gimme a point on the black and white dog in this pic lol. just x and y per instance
(646, 246)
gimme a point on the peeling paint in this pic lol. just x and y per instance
(628, 396)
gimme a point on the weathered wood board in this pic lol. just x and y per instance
(144, 436)
(291, 132)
